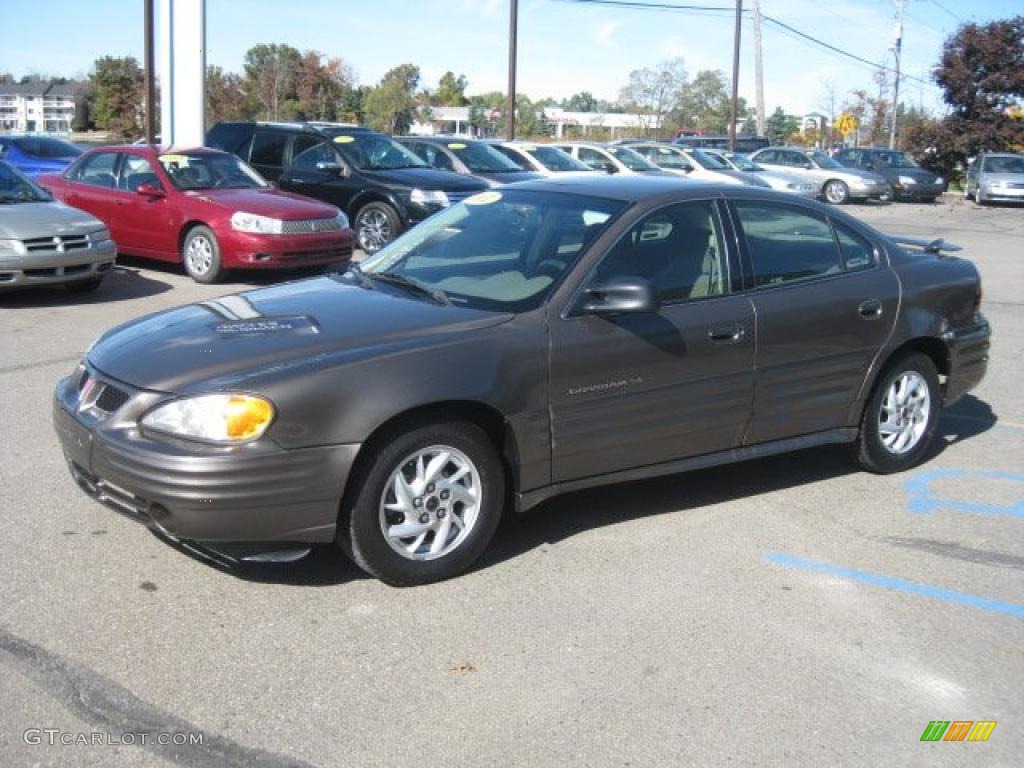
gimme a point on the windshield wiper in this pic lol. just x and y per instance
(361, 277)
(411, 283)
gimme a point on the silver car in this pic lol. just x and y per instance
(784, 182)
(43, 242)
(612, 158)
(540, 158)
(696, 164)
(995, 176)
(836, 182)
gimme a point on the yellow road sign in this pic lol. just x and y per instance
(846, 124)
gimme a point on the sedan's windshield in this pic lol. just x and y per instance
(741, 162)
(632, 160)
(554, 159)
(672, 158)
(43, 146)
(707, 160)
(15, 188)
(822, 160)
(1004, 164)
(499, 251)
(209, 170)
(482, 158)
(369, 151)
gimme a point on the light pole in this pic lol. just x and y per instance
(735, 76)
(510, 106)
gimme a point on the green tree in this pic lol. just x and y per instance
(451, 91)
(779, 126)
(116, 85)
(583, 101)
(392, 106)
(269, 80)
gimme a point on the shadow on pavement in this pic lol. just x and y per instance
(121, 284)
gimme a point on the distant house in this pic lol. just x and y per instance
(37, 107)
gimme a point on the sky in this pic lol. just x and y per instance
(564, 47)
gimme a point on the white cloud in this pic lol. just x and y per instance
(602, 35)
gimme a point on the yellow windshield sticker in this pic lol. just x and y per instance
(484, 198)
(456, 146)
(528, 148)
(664, 151)
(343, 139)
(174, 159)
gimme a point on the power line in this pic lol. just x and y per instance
(658, 6)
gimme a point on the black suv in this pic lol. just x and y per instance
(382, 186)
(469, 157)
(909, 180)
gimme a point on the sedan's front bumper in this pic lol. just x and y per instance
(918, 191)
(57, 267)
(257, 492)
(882, 192)
(1006, 194)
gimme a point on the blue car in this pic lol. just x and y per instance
(33, 155)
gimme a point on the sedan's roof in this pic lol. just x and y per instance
(628, 188)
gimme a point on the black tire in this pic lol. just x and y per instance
(869, 449)
(204, 265)
(836, 192)
(361, 529)
(376, 225)
(84, 286)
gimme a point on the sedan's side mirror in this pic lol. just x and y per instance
(620, 295)
(609, 167)
(328, 166)
(149, 190)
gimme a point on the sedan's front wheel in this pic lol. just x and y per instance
(837, 192)
(425, 505)
(201, 254)
(376, 225)
(899, 419)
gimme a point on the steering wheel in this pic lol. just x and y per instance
(552, 268)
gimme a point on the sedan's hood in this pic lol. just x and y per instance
(218, 343)
(920, 175)
(23, 221)
(426, 178)
(266, 202)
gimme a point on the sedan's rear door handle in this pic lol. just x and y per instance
(870, 309)
(727, 334)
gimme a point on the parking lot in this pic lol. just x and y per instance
(787, 611)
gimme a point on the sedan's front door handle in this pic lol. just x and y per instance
(729, 334)
(870, 309)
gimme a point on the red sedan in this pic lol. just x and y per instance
(202, 207)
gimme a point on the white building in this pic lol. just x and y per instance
(454, 121)
(37, 107)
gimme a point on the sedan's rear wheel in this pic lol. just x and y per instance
(837, 192)
(899, 420)
(426, 506)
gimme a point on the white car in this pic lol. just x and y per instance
(540, 158)
(695, 164)
(837, 183)
(611, 158)
(784, 182)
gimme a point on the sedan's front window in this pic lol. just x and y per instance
(209, 170)
(481, 158)
(500, 251)
(822, 160)
(555, 159)
(632, 160)
(15, 188)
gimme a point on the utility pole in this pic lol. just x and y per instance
(759, 70)
(735, 76)
(510, 107)
(898, 49)
(150, 71)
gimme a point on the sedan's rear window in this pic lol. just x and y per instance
(787, 244)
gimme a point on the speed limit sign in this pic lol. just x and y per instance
(846, 124)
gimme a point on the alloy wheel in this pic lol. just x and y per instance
(199, 255)
(374, 230)
(431, 503)
(903, 417)
(836, 192)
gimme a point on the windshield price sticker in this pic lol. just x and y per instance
(456, 146)
(174, 159)
(343, 139)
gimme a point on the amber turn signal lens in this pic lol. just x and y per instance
(248, 416)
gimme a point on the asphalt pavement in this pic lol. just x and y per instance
(787, 611)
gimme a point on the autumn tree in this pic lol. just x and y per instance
(653, 92)
(705, 104)
(269, 80)
(225, 96)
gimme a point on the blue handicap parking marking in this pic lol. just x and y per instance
(922, 499)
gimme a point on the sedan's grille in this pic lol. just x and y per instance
(1016, 185)
(458, 197)
(310, 226)
(100, 397)
(58, 243)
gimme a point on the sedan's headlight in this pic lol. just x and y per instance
(342, 219)
(429, 196)
(907, 180)
(939, 180)
(8, 247)
(99, 235)
(222, 418)
(256, 224)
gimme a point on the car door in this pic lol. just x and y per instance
(317, 171)
(145, 221)
(639, 389)
(825, 302)
(91, 186)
